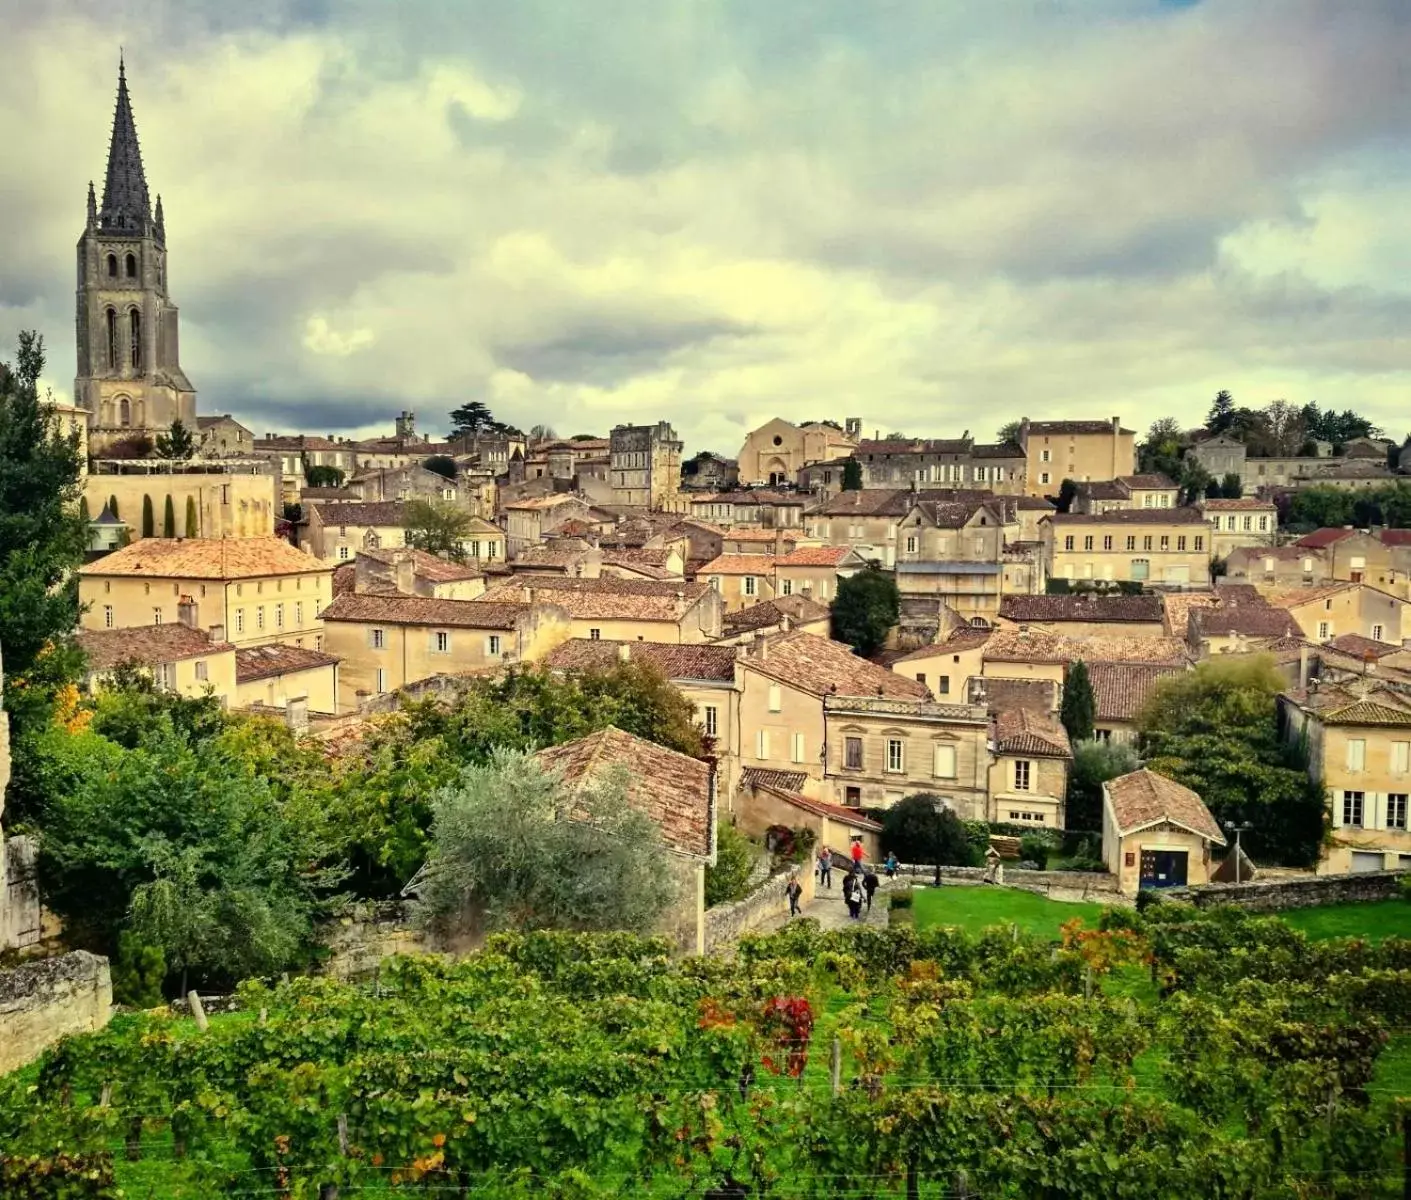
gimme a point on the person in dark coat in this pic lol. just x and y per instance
(869, 885)
(793, 889)
(852, 895)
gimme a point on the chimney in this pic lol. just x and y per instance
(624, 653)
(296, 714)
(763, 644)
(779, 543)
(186, 612)
(1303, 668)
(405, 572)
(1116, 424)
(217, 633)
(785, 623)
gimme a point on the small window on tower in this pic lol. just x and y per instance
(132, 266)
(113, 265)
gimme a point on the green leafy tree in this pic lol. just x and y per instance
(322, 475)
(193, 523)
(735, 857)
(865, 608)
(542, 433)
(1231, 486)
(1079, 703)
(138, 972)
(1008, 432)
(1161, 452)
(1195, 481)
(84, 514)
(131, 709)
(852, 475)
(149, 519)
(472, 418)
(1094, 763)
(1319, 507)
(506, 852)
(113, 507)
(169, 518)
(1222, 413)
(443, 464)
(42, 542)
(920, 829)
(1216, 730)
(1067, 493)
(176, 443)
(439, 527)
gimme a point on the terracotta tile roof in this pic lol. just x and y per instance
(1145, 609)
(1104, 489)
(384, 513)
(1035, 503)
(912, 446)
(345, 578)
(606, 598)
(1146, 483)
(951, 514)
(262, 662)
(756, 533)
(960, 640)
(677, 662)
(790, 781)
(1041, 645)
(297, 442)
(1362, 647)
(1298, 596)
(820, 666)
(997, 450)
(638, 556)
(1065, 427)
(815, 556)
(1320, 538)
(1039, 695)
(877, 502)
(799, 609)
(1250, 556)
(326, 493)
(670, 788)
(1132, 516)
(1025, 731)
(206, 558)
(1121, 689)
(1144, 798)
(1255, 620)
(739, 564)
(366, 608)
(146, 644)
(1243, 504)
(821, 808)
(428, 566)
(1395, 537)
(1362, 703)
(540, 503)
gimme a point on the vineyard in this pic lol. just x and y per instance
(1169, 1054)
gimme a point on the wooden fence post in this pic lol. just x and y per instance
(193, 1002)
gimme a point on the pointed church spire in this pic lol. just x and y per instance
(92, 208)
(126, 207)
(159, 224)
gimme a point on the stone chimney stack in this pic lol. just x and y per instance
(217, 634)
(296, 714)
(1303, 668)
(624, 653)
(1116, 424)
(186, 612)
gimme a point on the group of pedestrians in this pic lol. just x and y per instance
(860, 882)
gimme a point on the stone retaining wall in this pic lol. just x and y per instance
(42, 1001)
(1274, 895)
(1097, 886)
(767, 903)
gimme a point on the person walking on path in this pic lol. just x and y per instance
(891, 865)
(825, 868)
(852, 895)
(869, 885)
(856, 852)
(793, 889)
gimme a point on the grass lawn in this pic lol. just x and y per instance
(1374, 920)
(975, 908)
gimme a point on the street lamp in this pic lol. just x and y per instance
(1237, 829)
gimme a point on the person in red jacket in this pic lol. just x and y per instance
(856, 852)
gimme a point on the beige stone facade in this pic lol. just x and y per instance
(1171, 547)
(1240, 524)
(1078, 450)
(223, 500)
(777, 451)
(1156, 833)
(645, 467)
(1333, 609)
(177, 658)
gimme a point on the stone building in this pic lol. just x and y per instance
(777, 451)
(951, 462)
(1156, 833)
(129, 378)
(645, 466)
(1220, 455)
(1078, 450)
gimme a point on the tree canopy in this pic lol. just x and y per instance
(177, 443)
(442, 464)
(322, 475)
(475, 417)
(512, 847)
(439, 527)
(920, 829)
(865, 609)
(1094, 763)
(852, 475)
(1079, 703)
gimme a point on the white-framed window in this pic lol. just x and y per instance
(797, 748)
(107, 616)
(595, 635)
(1356, 754)
(1352, 808)
(1323, 630)
(1043, 478)
(1400, 757)
(1068, 542)
(711, 720)
(944, 761)
(896, 755)
(1264, 524)
(750, 585)
(299, 614)
(260, 617)
(201, 672)
(239, 620)
(342, 553)
(715, 582)
(786, 587)
(1396, 810)
(156, 616)
(761, 743)
(776, 698)
(492, 645)
(1045, 455)
(1376, 633)
(1022, 775)
(911, 545)
(377, 638)
(443, 642)
(279, 616)
(381, 680)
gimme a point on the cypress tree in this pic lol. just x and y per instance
(1079, 703)
(193, 527)
(169, 518)
(113, 506)
(149, 521)
(84, 515)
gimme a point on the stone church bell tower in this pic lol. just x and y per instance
(130, 379)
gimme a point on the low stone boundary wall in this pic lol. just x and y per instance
(726, 922)
(42, 1001)
(1275, 895)
(1097, 886)
(360, 938)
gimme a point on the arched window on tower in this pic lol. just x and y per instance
(132, 266)
(113, 265)
(134, 319)
(112, 339)
(124, 411)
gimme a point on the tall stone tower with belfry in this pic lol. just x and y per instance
(129, 378)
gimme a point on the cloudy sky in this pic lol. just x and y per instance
(934, 214)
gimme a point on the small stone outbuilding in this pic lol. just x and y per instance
(1156, 833)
